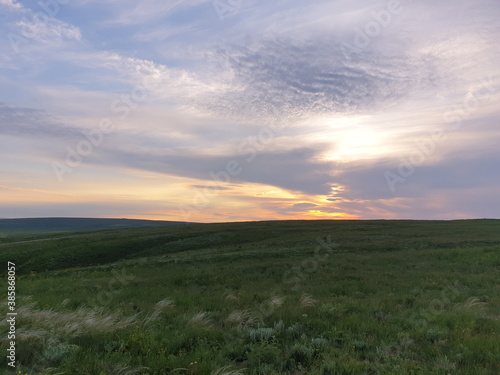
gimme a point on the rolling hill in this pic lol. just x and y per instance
(69, 224)
(276, 298)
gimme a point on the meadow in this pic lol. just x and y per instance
(276, 297)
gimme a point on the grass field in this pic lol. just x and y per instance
(280, 297)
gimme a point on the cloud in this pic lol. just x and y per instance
(296, 80)
(297, 169)
(103, 209)
(47, 29)
(302, 206)
(216, 83)
(32, 35)
(152, 10)
(453, 172)
(130, 12)
(11, 4)
(209, 187)
(20, 121)
(31, 190)
(158, 34)
(160, 81)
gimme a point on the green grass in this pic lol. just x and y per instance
(384, 297)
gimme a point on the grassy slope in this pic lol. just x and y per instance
(65, 224)
(394, 297)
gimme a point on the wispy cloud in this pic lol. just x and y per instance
(49, 31)
(10, 4)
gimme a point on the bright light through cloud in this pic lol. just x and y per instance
(249, 110)
(352, 140)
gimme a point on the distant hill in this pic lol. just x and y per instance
(65, 224)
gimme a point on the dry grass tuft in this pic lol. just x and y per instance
(231, 297)
(227, 370)
(277, 301)
(201, 319)
(307, 301)
(242, 318)
(35, 324)
(158, 309)
(125, 370)
(472, 304)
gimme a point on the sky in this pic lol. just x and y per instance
(237, 110)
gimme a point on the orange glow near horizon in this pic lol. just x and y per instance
(153, 196)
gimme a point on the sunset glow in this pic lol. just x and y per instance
(274, 111)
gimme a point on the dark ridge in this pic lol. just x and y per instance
(70, 224)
